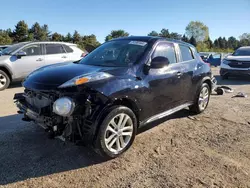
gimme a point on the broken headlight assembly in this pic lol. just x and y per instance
(79, 80)
(64, 106)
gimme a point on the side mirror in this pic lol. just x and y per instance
(159, 62)
(20, 54)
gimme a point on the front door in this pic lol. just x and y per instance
(163, 84)
(33, 60)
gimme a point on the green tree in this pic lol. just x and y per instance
(164, 33)
(116, 34)
(68, 38)
(198, 30)
(89, 42)
(209, 43)
(184, 38)
(221, 43)
(36, 30)
(216, 43)
(175, 35)
(193, 41)
(245, 36)
(233, 43)
(20, 33)
(56, 37)
(153, 33)
(76, 37)
(46, 32)
(4, 37)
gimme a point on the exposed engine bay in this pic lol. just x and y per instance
(66, 116)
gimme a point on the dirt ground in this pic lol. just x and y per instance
(208, 150)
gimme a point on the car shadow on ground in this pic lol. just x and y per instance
(26, 152)
(15, 85)
(233, 80)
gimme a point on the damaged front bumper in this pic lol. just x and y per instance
(78, 127)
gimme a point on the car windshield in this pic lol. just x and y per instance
(12, 48)
(118, 53)
(242, 52)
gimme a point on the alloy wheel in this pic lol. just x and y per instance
(3, 80)
(203, 98)
(118, 133)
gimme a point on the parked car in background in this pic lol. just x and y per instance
(212, 58)
(18, 60)
(237, 64)
(122, 85)
(2, 47)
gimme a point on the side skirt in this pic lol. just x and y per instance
(164, 114)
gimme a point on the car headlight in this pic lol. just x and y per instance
(64, 106)
(226, 62)
(85, 79)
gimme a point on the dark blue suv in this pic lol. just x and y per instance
(121, 86)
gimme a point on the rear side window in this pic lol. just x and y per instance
(54, 49)
(165, 50)
(68, 49)
(34, 49)
(186, 53)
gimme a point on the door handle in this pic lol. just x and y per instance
(64, 56)
(179, 73)
(39, 59)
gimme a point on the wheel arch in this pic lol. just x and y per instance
(7, 71)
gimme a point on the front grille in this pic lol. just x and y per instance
(239, 64)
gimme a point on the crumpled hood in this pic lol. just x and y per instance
(238, 58)
(50, 77)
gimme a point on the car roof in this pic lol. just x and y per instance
(245, 47)
(48, 42)
(152, 39)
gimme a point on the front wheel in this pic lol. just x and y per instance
(4, 80)
(117, 132)
(202, 99)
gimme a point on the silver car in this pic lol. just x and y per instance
(18, 60)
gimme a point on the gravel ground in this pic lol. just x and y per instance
(208, 150)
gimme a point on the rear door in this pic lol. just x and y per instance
(55, 53)
(186, 67)
(33, 60)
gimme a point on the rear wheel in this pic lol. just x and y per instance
(4, 80)
(202, 99)
(117, 132)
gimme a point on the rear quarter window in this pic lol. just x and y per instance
(54, 49)
(186, 53)
(68, 49)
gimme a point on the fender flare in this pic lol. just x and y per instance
(8, 69)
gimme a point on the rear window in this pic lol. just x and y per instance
(54, 49)
(68, 49)
(186, 53)
(242, 52)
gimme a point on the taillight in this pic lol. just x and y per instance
(84, 54)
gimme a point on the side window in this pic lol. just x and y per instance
(54, 49)
(68, 49)
(186, 53)
(165, 50)
(34, 49)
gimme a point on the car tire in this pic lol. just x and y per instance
(202, 99)
(116, 132)
(4, 80)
